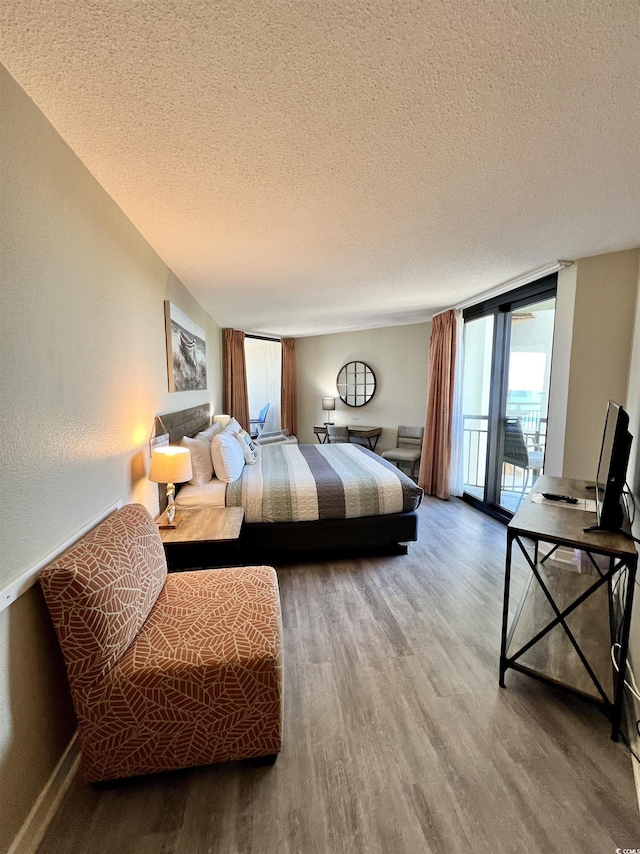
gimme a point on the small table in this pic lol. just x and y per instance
(369, 434)
(203, 537)
(564, 627)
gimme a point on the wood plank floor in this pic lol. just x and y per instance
(398, 738)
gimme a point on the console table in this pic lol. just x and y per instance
(369, 434)
(569, 615)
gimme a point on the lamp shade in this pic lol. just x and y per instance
(223, 420)
(170, 464)
(328, 403)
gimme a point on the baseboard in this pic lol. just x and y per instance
(30, 834)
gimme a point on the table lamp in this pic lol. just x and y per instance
(170, 464)
(328, 405)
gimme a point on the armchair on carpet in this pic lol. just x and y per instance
(166, 671)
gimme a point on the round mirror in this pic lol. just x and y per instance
(356, 383)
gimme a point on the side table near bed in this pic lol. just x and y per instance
(203, 538)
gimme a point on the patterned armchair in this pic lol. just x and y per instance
(166, 671)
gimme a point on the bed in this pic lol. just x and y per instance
(304, 498)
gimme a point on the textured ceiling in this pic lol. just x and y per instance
(307, 167)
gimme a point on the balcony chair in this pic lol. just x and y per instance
(259, 421)
(166, 671)
(409, 448)
(336, 435)
(518, 454)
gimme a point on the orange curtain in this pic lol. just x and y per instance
(236, 400)
(435, 465)
(289, 394)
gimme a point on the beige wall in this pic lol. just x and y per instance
(633, 475)
(83, 372)
(399, 358)
(603, 318)
(633, 408)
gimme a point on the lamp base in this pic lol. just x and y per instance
(168, 519)
(165, 524)
(328, 423)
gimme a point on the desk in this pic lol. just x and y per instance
(568, 616)
(366, 433)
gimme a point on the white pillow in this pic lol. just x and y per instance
(227, 457)
(210, 432)
(201, 465)
(233, 426)
(248, 448)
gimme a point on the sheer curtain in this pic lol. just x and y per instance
(435, 465)
(457, 421)
(236, 401)
(289, 394)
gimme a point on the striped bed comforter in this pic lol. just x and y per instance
(298, 483)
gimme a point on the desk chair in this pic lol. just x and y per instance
(337, 434)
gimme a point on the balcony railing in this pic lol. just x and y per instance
(475, 428)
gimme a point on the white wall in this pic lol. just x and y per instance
(82, 374)
(399, 356)
(560, 371)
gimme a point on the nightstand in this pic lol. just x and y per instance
(204, 538)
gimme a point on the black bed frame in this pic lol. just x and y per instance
(364, 535)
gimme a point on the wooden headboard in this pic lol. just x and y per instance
(187, 422)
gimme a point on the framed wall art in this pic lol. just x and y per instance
(186, 351)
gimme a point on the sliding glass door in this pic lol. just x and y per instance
(506, 375)
(528, 365)
(263, 358)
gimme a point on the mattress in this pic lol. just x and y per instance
(212, 494)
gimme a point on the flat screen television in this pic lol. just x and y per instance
(612, 468)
